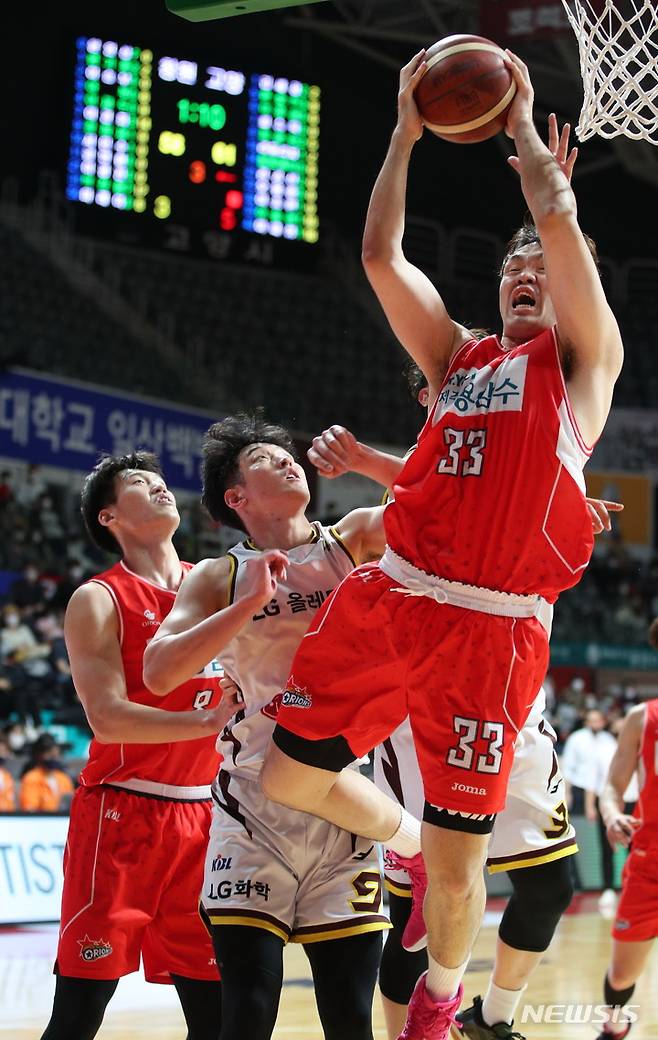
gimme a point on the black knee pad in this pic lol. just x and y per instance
(540, 897)
(399, 970)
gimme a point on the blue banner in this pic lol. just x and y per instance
(59, 422)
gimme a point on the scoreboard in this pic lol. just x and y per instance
(212, 153)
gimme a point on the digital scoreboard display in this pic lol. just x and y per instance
(209, 150)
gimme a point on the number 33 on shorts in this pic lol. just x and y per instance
(463, 754)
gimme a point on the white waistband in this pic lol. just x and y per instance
(181, 794)
(415, 582)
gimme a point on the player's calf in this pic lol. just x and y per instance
(79, 1007)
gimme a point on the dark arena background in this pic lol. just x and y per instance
(181, 210)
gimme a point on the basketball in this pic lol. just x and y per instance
(467, 89)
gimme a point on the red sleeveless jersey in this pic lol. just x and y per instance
(141, 606)
(494, 493)
(647, 804)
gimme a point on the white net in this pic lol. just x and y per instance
(618, 47)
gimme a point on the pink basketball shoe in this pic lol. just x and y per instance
(428, 1019)
(414, 937)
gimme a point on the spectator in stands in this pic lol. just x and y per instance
(579, 762)
(569, 710)
(7, 788)
(583, 750)
(66, 700)
(15, 552)
(25, 662)
(653, 633)
(630, 616)
(45, 786)
(17, 638)
(50, 524)
(27, 593)
(15, 735)
(31, 487)
(87, 557)
(9, 702)
(65, 588)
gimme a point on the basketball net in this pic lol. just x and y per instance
(618, 51)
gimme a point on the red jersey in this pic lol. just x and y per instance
(141, 606)
(494, 493)
(647, 804)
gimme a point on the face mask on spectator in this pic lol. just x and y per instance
(51, 763)
(16, 741)
(76, 572)
(12, 620)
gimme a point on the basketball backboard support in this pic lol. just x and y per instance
(207, 10)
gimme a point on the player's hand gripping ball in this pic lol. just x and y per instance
(466, 90)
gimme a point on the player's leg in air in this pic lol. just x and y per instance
(532, 829)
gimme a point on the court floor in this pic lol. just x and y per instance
(571, 975)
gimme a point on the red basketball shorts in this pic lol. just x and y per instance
(466, 679)
(133, 871)
(637, 913)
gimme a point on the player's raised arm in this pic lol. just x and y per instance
(414, 308)
(337, 451)
(92, 641)
(588, 334)
(203, 619)
(619, 825)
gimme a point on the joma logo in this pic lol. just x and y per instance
(467, 789)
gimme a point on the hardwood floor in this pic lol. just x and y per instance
(571, 974)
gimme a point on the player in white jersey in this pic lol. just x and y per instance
(531, 836)
(273, 874)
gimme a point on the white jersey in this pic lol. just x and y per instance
(260, 657)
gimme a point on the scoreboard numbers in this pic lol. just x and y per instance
(163, 138)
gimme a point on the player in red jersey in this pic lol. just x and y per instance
(489, 515)
(531, 837)
(133, 866)
(636, 922)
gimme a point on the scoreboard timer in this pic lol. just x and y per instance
(209, 150)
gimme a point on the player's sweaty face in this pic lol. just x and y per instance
(525, 303)
(269, 469)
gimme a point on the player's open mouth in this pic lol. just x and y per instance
(523, 299)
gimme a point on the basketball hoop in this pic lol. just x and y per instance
(618, 48)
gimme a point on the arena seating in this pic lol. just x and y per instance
(47, 325)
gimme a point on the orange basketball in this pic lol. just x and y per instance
(467, 89)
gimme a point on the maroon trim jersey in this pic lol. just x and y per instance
(141, 606)
(494, 494)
